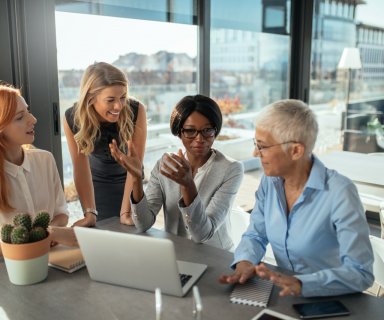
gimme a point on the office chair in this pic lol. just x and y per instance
(378, 264)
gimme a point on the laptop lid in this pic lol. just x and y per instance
(135, 261)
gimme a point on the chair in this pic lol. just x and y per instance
(378, 264)
(239, 223)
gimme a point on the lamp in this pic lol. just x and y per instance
(350, 59)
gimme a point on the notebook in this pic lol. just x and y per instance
(254, 292)
(68, 259)
(136, 261)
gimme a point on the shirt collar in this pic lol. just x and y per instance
(13, 169)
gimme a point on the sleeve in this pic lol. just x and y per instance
(254, 241)
(203, 221)
(70, 117)
(355, 271)
(60, 203)
(145, 211)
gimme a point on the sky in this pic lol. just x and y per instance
(83, 39)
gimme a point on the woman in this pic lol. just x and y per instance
(312, 216)
(103, 112)
(196, 188)
(29, 180)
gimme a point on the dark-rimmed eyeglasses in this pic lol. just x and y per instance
(191, 133)
(261, 148)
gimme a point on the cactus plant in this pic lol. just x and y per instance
(41, 220)
(24, 230)
(23, 219)
(6, 233)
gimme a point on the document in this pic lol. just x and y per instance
(68, 259)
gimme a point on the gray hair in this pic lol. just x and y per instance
(290, 120)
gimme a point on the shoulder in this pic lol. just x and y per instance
(39, 156)
(224, 162)
(70, 117)
(136, 107)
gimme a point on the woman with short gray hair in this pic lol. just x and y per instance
(311, 215)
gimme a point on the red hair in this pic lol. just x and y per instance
(8, 106)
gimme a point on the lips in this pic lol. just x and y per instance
(115, 114)
(31, 132)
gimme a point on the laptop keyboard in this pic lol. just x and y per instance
(184, 278)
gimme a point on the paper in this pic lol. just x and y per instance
(255, 292)
(68, 259)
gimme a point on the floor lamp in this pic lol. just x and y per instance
(350, 59)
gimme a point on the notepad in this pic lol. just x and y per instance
(68, 259)
(255, 292)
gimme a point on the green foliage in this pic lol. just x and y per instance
(24, 230)
(42, 219)
(6, 231)
(23, 219)
(19, 234)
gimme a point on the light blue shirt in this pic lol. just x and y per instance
(324, 239)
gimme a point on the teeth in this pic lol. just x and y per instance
(114, 113)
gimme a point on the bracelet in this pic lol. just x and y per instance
(90, 210)
(123, 213)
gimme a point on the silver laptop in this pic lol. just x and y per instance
(136, 261)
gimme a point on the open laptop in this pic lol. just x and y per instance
(136, 261)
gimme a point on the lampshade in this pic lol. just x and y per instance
(350, 59)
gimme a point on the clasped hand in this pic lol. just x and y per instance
(245, 270)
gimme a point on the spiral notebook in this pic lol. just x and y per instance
(255, 292)
(68, 259)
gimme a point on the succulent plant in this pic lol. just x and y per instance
(41, 220)
(37, 234)
(24, 230)
(6, 233)
(23, 219)
(19, 234)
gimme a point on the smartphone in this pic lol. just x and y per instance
(267, 314)
(322, 309)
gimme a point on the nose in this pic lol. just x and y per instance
(118, 105)
(199, 136)
(256, 153)
(32, 118)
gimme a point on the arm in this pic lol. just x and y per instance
(138, 140)
(82, 177)
(356, 258)
(203, 221)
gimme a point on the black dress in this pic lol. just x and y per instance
(107, 175)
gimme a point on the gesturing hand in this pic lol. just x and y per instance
(177, 168)
(130, 161)
(244, 271)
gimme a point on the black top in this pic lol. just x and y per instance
(107, 175)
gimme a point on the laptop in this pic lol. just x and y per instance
(136, 261)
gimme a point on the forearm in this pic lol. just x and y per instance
(59, 220)
(142, 215)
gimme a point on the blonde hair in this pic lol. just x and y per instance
(8, 106)
(290, 120)
(96, 78)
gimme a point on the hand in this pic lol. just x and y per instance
(89, 220)
(126, 218)
(131, 161)
(290, 286)
(244, 271)
(63, 235)
(182, 172)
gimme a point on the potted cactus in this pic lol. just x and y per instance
(25, 246)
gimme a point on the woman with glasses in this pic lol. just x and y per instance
(195, 187)
(311, 215)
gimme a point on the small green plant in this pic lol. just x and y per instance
(26, 229)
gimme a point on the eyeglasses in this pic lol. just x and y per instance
(190, 133)
(261, 148)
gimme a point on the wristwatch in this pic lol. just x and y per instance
(90, 210)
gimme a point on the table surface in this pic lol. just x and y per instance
(359, 167)
(76, 296)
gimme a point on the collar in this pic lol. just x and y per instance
(13, 169)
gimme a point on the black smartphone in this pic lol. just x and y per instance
(321, 309)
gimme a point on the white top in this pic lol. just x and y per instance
(34, 186)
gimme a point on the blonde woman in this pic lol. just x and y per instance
(104, 112)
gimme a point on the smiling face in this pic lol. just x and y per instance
(109, 102)
(21, 129)
(198, 147)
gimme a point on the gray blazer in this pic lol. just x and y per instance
(207, 219)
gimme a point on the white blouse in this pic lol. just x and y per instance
(34, 186)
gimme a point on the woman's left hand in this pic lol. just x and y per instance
(290, 286)
(182, 172)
